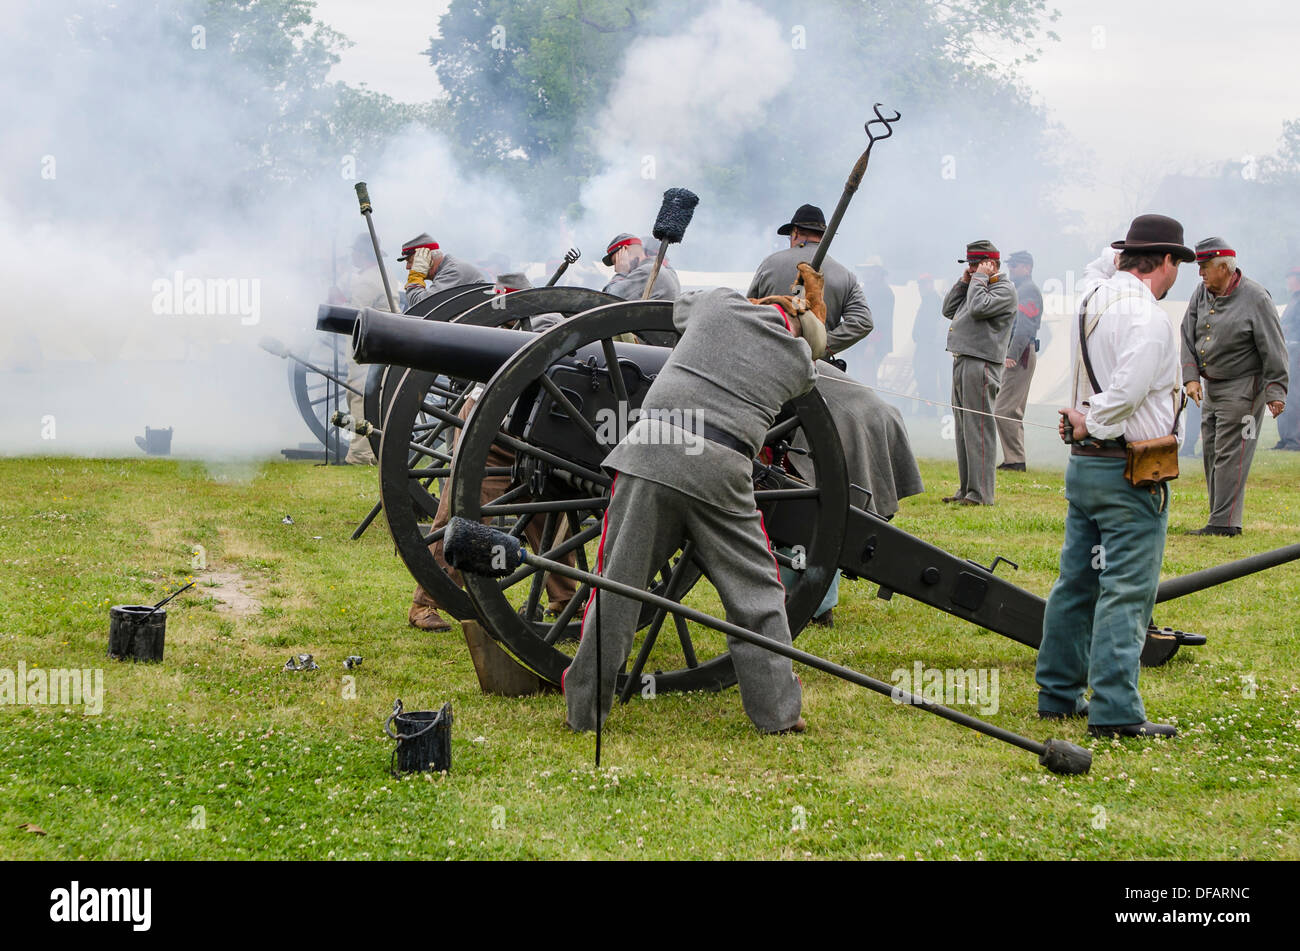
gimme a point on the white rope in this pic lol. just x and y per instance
(955, 409)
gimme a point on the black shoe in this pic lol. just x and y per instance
(1227, 530)
(1012, 467)
(825, 619)
(1053, 715)
(953, 498)
(1143, 729)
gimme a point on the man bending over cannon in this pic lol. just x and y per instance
(737, 363)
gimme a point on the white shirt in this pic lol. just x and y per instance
(1135, 356)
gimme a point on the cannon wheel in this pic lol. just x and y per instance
(312, 392)
(571, 494)
(413, 457)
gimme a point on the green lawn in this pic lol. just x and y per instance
(219, 753)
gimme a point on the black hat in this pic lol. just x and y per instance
(620, 241)
(980, 251)
(1021, 257)
(1212, 248)
(421, 240)
(1156, 233)
(808, 218)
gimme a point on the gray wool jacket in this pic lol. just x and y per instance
(982, 314)
(631, 286)
(1029, 315)
(1235, 335)
(734, 367)
(452, 272)
(848, 318)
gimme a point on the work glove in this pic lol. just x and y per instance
(811, 327)
(421, 259)
(814, 289)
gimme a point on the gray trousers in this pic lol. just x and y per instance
(975, 385)
(645, 523)
(1228, 441)
(1011, 402)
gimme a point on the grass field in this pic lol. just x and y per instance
(219, 753)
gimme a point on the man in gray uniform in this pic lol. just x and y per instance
(736, 364)
(1288, 424)
(1232, 337)
(626, 254)
(1022, 358)
(430, 269)
(848, 318)
(982, 307)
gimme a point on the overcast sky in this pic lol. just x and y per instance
(1149, 86)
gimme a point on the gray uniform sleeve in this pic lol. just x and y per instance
(990, 300)
(1028, 316)
(415, 293)
(1272, 350)
(1191, 371)
(955, 298)
(855, 322)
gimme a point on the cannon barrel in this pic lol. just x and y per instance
(465, 351)
(336, 319)
(1209, 577)
(462, 350)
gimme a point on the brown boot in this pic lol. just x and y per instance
(427, 618)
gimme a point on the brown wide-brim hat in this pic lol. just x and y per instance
(807, 218)
(1157, 233)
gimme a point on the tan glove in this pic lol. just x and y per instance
(794, 306)
(811, 327)
(421, 258)
(814, 289)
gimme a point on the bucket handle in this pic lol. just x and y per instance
(399, 737)
(397, 710)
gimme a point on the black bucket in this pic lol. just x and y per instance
(135, 633)
(423, 739)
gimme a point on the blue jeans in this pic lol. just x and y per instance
(790, 575)
(1097, 614)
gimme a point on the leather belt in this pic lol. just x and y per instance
(723, 438)
(1106, 452)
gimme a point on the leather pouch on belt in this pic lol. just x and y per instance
(1151, 461)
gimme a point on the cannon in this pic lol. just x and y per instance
(552, 403)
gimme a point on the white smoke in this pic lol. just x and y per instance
(681, 108)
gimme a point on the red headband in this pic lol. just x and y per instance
(995, 255)
(410, 248)
(1203, 256)
(621, 244)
